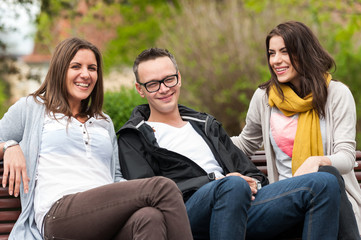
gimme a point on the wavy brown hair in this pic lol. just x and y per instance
(53, 90)
(309, 59)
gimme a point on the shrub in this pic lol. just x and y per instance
(119, 105)
(220, 49)
(3, 99)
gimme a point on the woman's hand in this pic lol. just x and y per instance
(15, 170)
(251, 182)
(312, 164)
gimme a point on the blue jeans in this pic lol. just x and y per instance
(223, 209)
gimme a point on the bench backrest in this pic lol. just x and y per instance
(9, 210)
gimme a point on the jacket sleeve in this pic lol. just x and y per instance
(132, 156)
(241, 162)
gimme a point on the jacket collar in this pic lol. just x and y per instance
(141, 113)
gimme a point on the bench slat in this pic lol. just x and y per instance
(5, 228)
(358, 168)
(4, 237)
(4, 192)
(6, 216)
(9, 203)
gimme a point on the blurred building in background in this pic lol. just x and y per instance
(26, 62)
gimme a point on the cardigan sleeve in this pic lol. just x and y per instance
(343, 121)
(12, 124)
(251, 138)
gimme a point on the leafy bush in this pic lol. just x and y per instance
(220, 49)
(119, 105)
(3, 99)
(219, 46)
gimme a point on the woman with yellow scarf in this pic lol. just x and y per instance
(305, 120)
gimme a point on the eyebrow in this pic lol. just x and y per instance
(81, 64)
(157, 80)
(271, 50)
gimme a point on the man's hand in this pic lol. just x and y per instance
(312, 164)
(15, 169)
(251, 182)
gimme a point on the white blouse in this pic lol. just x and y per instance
(74, 157)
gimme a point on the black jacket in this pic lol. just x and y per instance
(141, 157)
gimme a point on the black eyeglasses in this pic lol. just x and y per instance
(154, 85)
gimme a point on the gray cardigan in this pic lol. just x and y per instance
(340, 127)
(24, 123)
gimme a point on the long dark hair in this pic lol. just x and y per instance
(309, 59)
(54, 92)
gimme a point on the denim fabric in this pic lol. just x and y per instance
(218, 210)
(223, 209)
(348, 229)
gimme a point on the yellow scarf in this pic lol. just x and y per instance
(308, 139)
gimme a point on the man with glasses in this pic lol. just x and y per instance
(226, 196)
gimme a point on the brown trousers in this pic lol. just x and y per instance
(151, 209)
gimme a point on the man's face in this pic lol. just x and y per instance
(164, 101)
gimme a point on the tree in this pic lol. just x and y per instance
(220, 48)
(13, 12)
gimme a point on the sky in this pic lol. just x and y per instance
(12, 15)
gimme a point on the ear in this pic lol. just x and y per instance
(179, 79)
(140, 90)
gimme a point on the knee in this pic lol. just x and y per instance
(165, 186)
(236, 186)
(148, 215)
(166, 183)
(328, 182)
(330, 169)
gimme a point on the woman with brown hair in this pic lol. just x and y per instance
(305, 120)
(60, 137)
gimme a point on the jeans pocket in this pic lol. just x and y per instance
(49, 216)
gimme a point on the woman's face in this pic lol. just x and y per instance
(81, 77)
(280, 62)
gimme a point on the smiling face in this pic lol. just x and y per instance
(81, 78)
(280, 62)
(165, 100)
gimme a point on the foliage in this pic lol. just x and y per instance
(119, 105)
(219, 45)
(14, 10)
(128, 26)
(140, 28)
(348, 59)
(3, 99)
(221, 52)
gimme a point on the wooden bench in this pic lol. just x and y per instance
(10, 206)
(10, 209)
